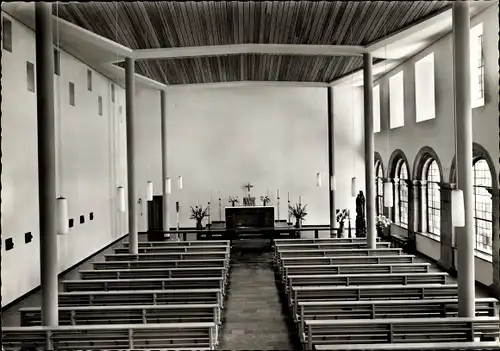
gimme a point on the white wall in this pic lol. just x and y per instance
(89, 168)
(438, 133)
(222, 138)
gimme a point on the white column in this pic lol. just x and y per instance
(331, 156)
(463, 115)
(164, 173)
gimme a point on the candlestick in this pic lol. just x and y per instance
(300, 200)
(288, 196)
(220, 210)
(277, 193)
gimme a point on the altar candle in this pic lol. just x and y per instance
(209, 197)
(288, 196)
(219, 195)
(300, 200)
(277, 193)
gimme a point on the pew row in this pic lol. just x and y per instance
(127, 273)
(340, 252)
(175, 249)
(162, 336)
(180, 243)
(146, 264)
(370, 292)
(321, 240)
(399, 331)
(366, 279)
(147, 314)
(376, 309)
(168, 256)
(321, 246)
(144, 284)
(145, 297)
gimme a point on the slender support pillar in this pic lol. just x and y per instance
(46, 162)
(331, 157)
(371, 233)
(463, 115)
(132, 203)
(164, 173)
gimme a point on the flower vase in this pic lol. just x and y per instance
(199, 225)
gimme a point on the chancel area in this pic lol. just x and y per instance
(250, 175)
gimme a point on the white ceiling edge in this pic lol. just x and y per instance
(246, 83)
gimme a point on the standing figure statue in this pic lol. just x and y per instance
(360, 216)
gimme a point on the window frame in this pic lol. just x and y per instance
(392, 101)
(422, 88)
(488, 210)
(402, 194)
(376, 109)
(379, 183)
(431, 198)
(6, 34)
(477, 65)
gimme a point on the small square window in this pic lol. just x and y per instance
(112, 92)
(99, 103)
(91, 216)
(57, 62)
(82, 219)
(89, 80)
(28, 237)
(30, 70)
(9, 244)
(7, 34)
(72, 93)
(71, 223)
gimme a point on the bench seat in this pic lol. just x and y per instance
(83, 315)
(143, 284)
(178, 249)
(366, 279)
(165, 336)
(401, 330)
(167, 256)
(133, 264)
(358, 269)
(145, 297)
(339, 252)
(153, 273)
(180, 243)
(455, 346)
(320, 240)
(374, 309)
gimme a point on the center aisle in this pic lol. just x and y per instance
(254, 315)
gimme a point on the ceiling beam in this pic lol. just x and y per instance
(239, 49)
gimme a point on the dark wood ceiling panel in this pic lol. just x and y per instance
(156, 24)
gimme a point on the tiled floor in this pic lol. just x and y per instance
(254, 315)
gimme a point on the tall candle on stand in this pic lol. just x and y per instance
(278, 203)
(220, 208)
(300, 200)
(289, 218)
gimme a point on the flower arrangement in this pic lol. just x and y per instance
(265, 200)
(382, 222)
(342, 215)
(299, 212)
(234, 200)
(198, 213)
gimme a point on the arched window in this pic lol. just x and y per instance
(379, 174)
(483, 206)
(401, 217)
(433, 212)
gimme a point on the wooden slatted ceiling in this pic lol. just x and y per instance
(155, 24)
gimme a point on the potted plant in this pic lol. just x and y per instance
(299, 212)
(198, 213)
(265, 200)
(234, 200)
(382, 223)
(342, 215)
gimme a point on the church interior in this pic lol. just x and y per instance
(250, 175)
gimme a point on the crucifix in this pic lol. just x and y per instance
(248, 186)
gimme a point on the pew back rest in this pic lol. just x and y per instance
(177, 249)
(358, 268)
(180, 243)
(167, 256)
(130, 273)
(492, 345)
(345, 260)
(148, 264)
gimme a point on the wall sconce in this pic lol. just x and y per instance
(121, 199)
(149, 191)
(168, 186)
(388, 195)
(318, 179)
(353, 187)
(180, 183)
(333, 183)
(457, 208)
(62, 216)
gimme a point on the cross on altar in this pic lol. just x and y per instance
(248, 186)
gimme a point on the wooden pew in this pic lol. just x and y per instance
(358, 269)
(187, 272)
(144, 284)
(370, 292)
(166, 249)
(144, 297)
(462, 345)
(376, 309)
(340, 252)
(151, 264)
(340, 333)
(164, 336)
(320, 240)
(180, 243)
(366, 279)
(320, 246)
(85, 315)
(167, 256)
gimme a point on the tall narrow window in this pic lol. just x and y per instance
(433, 178)
(30, 76)
(402, 195)
(6, 34)
(376, 109)
(112, 92)
(379, 174)
(424, 88)
(99, 103)
(57, 62)
(477, 65)
(483, 216)
(89, 80)
(72, 94)
(396, 100)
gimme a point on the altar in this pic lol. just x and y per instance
(249, 217)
